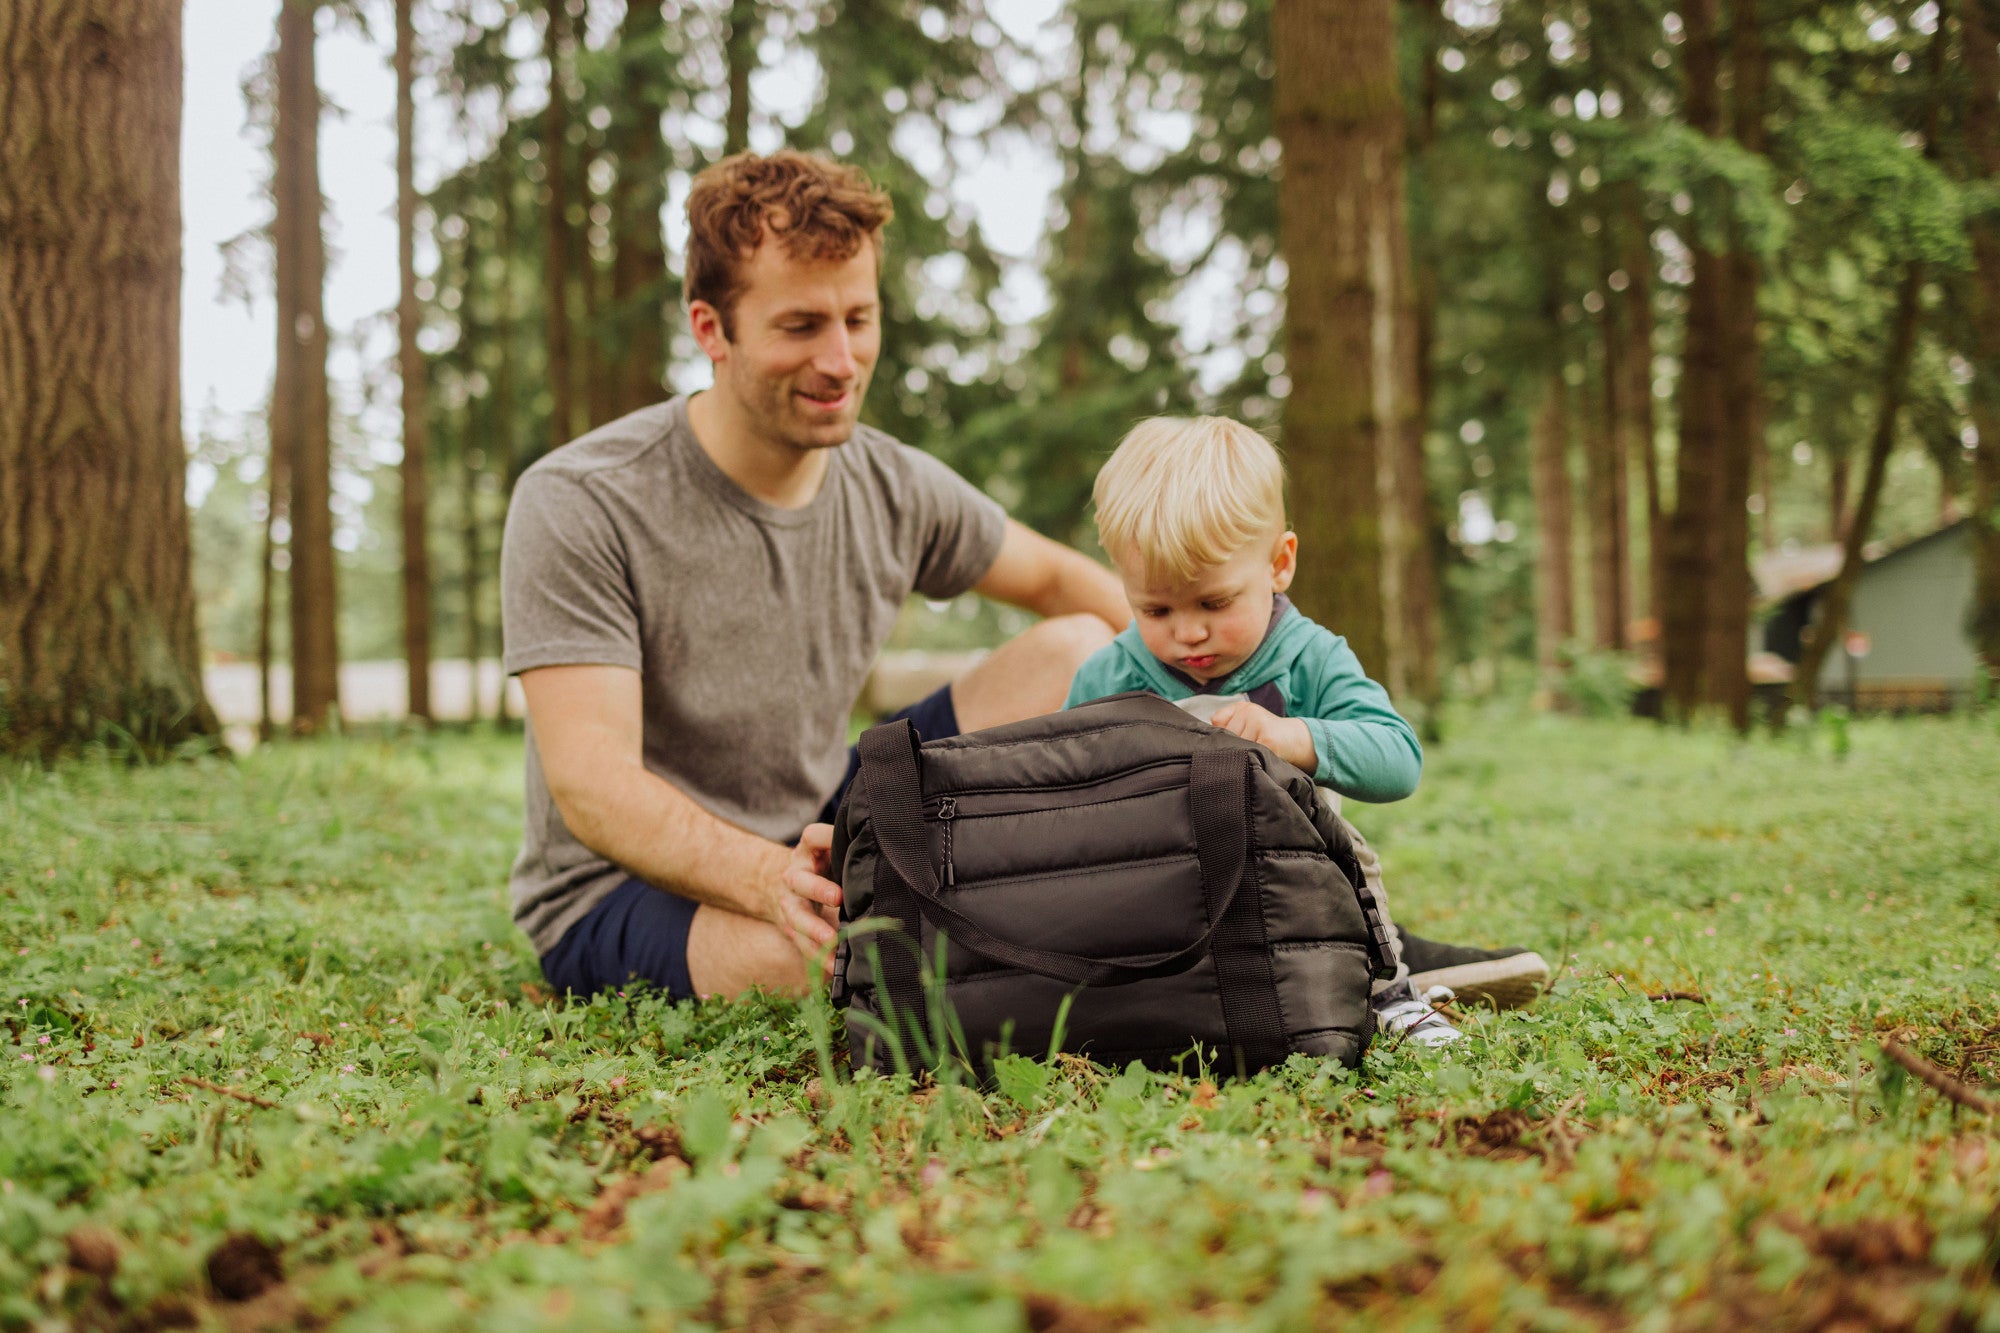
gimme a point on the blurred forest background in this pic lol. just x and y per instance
(1564, 313)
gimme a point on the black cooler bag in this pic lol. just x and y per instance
(1177, 885)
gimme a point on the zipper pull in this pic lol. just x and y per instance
(948, 811)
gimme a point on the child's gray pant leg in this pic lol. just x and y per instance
(1371, 870)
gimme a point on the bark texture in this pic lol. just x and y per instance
(740, 55)
(409, 318)
(1340, 201)
(97, 616)
(1604, 480)
(555, 153)
(1726, 628)
(1638, 364)
(1981, 28)
(639, 284)
(1555, 597)
(299, 403)
(1694, 545)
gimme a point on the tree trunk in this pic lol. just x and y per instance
(556, 260)
(1417, 312)
(1830, 614)
(1339, 119)
(97, 613)
(1638, 362)
(416, 526)
(639, 284)
(299, 407)
(1726, 632)
(740, 55)
(1604, 478)
(1981, 28)
(274, 506)
(1694, 531)
(1555, 600)
(1836, 495)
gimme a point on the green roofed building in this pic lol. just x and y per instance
(1908, 642)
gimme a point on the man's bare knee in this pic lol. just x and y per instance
(729, 954)
(1071, 639)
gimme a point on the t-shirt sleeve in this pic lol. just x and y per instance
(566, 596)
(959, 527)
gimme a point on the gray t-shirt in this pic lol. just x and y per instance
(752, 627)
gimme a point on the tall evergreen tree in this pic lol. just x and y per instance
(97, 624)
(300, 407)
(410, 363)
(1339, 116)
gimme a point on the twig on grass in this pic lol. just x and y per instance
(237, 1093)
(1937, 1080)
(1668, 996)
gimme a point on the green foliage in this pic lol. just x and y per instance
(324, 927)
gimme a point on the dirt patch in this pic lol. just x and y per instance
(607, 1214)
(243, 1267)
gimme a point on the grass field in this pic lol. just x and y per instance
(413, 1136)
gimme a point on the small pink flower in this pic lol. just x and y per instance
(347, 1069)
(26, 1055)
(23, 1002)
(618, 1082)
(41, 1041)
(1791, 1032)
(1378, 1184)
(137, 943)
(503, 1052)
(1709, 931)
(114, 1082)
(343, 1025)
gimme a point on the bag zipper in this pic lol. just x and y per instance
(948, 811)
(1141, 781)
(980, 802)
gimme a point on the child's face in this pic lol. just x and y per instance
(1209, 625)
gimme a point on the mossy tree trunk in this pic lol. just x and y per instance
(97, 614)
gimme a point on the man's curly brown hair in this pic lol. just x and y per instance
(816, 208)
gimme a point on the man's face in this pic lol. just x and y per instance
(805, 337)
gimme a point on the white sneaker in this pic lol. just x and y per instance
(1402, 1014)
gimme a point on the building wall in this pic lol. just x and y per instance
(1914, 606)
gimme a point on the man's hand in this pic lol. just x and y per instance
(801, 901)
(1287, 737)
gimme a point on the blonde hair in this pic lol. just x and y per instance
(1184, 494)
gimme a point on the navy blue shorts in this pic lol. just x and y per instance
(640, 933)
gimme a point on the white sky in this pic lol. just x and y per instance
(227, 349)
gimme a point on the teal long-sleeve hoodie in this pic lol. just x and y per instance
(1365, 748)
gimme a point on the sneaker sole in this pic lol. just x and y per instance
(1503, 983)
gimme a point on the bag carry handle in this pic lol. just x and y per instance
(1218, 795)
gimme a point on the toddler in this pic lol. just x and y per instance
(1192, 512)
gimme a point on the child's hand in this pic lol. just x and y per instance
(1287, 737)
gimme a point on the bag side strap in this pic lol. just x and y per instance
(1218, 795)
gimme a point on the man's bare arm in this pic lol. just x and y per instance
(588, 724)
(1050, 579)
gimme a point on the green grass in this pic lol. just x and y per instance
(324, 928)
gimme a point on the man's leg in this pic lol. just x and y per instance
(728, 953)
(1028, 675)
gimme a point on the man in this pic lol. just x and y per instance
(694, 594)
